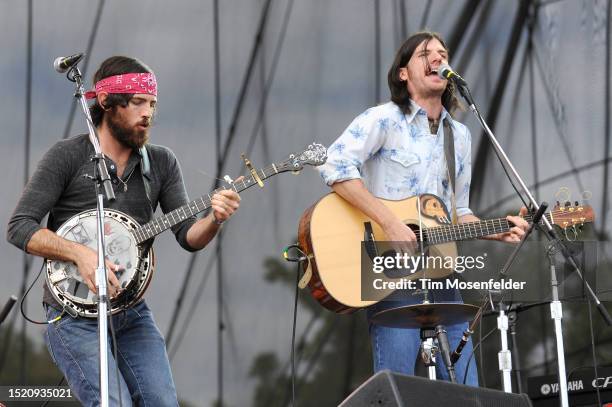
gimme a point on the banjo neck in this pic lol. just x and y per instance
(180, 214)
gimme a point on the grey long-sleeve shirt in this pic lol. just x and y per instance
(58, 187)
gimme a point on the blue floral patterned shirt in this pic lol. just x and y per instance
(396, 156)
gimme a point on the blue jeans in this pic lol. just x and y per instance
(144, 370)
(397, 349)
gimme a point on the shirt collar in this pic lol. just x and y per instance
(416, 110)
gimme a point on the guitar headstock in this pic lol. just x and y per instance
(568, 215)
(315, 155)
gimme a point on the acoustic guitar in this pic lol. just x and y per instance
(332, 233)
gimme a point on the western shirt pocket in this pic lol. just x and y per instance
(405, 158)
(402, 174)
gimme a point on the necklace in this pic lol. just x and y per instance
(433, 125)
(125, 188)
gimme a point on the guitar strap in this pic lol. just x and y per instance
(449, 152)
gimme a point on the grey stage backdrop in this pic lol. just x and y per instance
(326, 75)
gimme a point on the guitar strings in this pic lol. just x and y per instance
(160, 224)
(442, 233)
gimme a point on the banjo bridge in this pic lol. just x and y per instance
(57, 276)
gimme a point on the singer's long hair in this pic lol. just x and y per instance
(112, 66)
(399, 90)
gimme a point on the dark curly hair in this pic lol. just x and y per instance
(112, 66)
(399, 91)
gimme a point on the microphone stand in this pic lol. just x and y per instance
(512, 314)
(101, 178)
(504, 355)
(555, 307)
(515, 359)
(7, 308)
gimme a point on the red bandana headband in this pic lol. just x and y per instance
(126, 83)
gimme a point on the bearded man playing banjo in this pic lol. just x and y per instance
(143, 175)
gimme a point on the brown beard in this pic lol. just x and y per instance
(128, 136)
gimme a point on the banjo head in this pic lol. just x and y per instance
(121, 248)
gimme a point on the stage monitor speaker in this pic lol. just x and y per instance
(387, 389)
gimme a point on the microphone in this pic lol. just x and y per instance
(62, 64)
(464, 340)
(538, 215)
(444, 347)
(446, 72)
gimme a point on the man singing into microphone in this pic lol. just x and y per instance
(394, 151)
(125, 99)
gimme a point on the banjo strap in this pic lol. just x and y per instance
(145, 170)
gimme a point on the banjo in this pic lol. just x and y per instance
(129, 245)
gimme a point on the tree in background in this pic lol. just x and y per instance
(41, 371)
(332, 355)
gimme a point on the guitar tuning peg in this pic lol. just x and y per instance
(568, 204)
(576, 203)
(558, 203)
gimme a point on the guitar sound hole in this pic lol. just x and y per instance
(409, 263)
(415, 229)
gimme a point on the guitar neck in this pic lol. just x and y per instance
(178, 215)
(470, 230)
